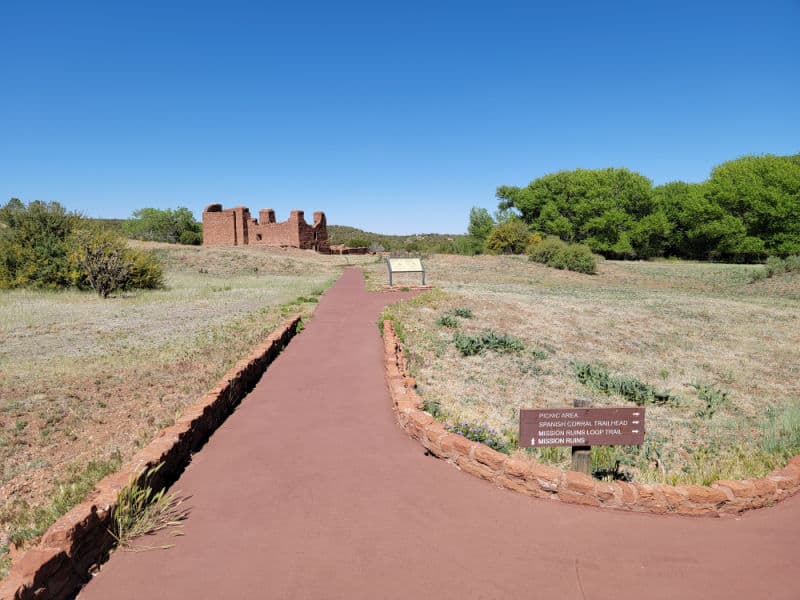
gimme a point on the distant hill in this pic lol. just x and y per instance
(418, 242)
(353, 237)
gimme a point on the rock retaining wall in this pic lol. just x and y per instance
(543, 481)
(79, 541)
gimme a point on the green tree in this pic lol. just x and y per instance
(686, 208)
(600, 207)
(480, 224)
(763, 193)
(651, 235)
(157, 225)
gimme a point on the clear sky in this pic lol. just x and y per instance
(394, 117)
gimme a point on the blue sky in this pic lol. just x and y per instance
(393, 117)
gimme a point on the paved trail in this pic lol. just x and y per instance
(311, 490)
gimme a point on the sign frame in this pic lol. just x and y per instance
(579, 426)
(404, 265)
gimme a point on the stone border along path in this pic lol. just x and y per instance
(311, 490)
(79, 541)
(542, 481)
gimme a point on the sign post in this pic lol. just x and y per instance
(582, 455)
(581, 428)
(404, 265)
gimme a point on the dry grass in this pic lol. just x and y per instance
(666, 324)
(84, 379)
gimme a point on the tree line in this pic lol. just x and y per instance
(748, 209)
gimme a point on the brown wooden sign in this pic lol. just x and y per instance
(581, 427)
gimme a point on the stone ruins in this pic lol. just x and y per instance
(235, 227)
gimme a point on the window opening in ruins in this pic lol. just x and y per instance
(258, 237)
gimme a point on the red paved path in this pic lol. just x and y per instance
(311, 490)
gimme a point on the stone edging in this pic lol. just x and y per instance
(79, 541)
(542, 481)
(406, 288)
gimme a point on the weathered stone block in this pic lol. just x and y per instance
(516, 468)
(579, 482)
(577, 498)
(700, 494)
(739, 489)
(547, 477)
(491, 458)
(475, 468)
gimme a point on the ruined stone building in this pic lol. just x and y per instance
(235, 227)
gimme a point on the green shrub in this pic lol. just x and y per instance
(447, 320)
(34, 244)
(558, 254)
(713, 399)
(470, 345)
(510, 237)
(575, 257)
(146, 271)
(191, 238)
(545, 251)
(630, 388)
(102, 261)
(777, 266)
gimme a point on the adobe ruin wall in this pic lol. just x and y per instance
(235, 227)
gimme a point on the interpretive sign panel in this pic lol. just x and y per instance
(581, 427)
(405, 265)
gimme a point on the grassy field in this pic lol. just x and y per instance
(85, 382)
(722, 353)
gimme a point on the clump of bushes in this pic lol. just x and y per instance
(481, 433)
(556, 253)
(778, 266)
(470, 345)
(630, 388)
(44, 246)
(449, 319)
